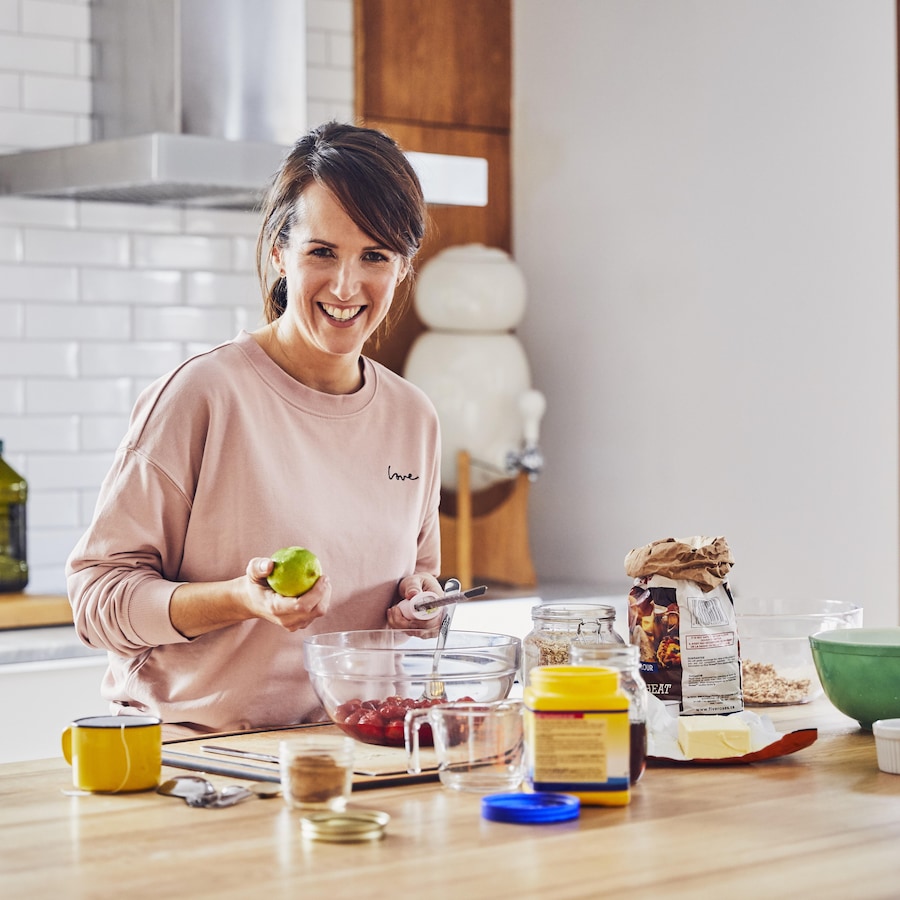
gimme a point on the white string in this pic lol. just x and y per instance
(127, 759)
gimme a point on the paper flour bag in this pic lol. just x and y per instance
(681, 615)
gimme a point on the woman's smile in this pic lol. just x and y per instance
(341, 313)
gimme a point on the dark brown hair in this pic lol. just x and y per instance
(369, 176)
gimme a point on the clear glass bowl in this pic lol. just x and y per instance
(776, 660)
(368, 680)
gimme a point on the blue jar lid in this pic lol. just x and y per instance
(530, 809)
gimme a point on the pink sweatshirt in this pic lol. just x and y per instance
(228, 458)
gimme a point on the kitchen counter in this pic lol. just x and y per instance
(822, 822)
(34, 610)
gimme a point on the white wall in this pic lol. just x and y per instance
(705, 208)
(97, 299)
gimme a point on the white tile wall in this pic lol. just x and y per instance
(98, 299)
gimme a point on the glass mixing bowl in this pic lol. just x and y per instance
(776, 661)
(368, 680)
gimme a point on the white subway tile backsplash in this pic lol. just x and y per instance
(53, 509)
(329, 84)
(330, 111)
(45, 579)
(9, 15)
(83, 130)
(102, 432)
(84, 60)
(130, 217)
(36, 129)
(316, 48)
(182, 324)
(56, 94)
(70, 20)
(147, 359)
(77, 321)
(131, 287)
(60, 471)
(182, 252)
(12, 397)
(12, 320)
(221, 289)
(40, 434)
(84, 248)
(86, 395)
(37, 54)
(181, 280)
(47, 558)
(10, 90)
(340, 51)
(38, 282)
(248, 318)
(28, 359)
(329, 15)
(31, 211)
(244, 255)
(11, 244)
(217, 222)
(139, 385)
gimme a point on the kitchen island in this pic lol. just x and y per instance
(822, 822)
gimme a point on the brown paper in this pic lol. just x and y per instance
(704, 560)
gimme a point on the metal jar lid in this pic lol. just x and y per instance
(347, 826)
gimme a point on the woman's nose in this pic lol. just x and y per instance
(346, 281)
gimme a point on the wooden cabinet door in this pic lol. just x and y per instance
(437, 76)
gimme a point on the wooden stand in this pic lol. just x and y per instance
(487, 537)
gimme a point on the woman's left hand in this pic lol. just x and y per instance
(414, 584)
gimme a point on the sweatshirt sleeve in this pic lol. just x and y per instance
(428, 556)
(121, 574)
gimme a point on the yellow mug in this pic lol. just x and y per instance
(113, 754)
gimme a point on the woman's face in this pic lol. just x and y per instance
(340, 282)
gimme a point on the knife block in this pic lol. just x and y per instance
(484, 534)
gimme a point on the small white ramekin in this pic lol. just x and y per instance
(887, 744)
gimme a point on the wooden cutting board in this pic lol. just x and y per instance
(374, 766)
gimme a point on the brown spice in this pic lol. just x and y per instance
(315, 778)
(763, 686)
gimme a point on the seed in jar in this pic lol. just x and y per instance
(552, 653)
(763, 686)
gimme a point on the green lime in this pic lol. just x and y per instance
(296, 571)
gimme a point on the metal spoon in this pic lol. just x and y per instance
(228, 796)
(186, 786)
(199, 793)
(434, 688)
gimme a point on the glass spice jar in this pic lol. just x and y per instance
(556, 624)
(626, 660)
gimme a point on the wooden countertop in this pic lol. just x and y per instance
(34, 610)
(822, 822)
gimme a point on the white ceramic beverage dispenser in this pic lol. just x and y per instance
(474, 369)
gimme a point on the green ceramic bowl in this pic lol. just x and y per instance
(860, 671)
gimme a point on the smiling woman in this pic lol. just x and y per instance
(285, 437)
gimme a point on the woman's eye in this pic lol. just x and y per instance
(321, 251)
(375, 256)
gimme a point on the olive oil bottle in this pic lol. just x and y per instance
(13, 559)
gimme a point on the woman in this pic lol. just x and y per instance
(284, 437)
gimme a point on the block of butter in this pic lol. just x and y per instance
(713, 737)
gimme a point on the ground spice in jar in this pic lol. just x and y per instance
(315, 778)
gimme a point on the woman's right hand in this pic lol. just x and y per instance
(197, 608)
(291, 613)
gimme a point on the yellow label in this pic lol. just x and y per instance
(571, 747)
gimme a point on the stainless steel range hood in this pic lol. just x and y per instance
(194, 103)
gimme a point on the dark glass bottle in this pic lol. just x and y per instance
(13, 557)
